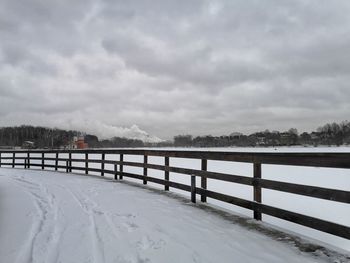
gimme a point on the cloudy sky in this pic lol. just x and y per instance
(173, 67)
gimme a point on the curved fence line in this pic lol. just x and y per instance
(333, 160)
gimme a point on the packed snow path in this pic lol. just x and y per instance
(56, 217)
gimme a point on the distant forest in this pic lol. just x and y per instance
(328, 134)
(56, 138)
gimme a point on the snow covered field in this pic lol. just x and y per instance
(57, 217)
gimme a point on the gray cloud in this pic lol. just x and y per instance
(171, 67)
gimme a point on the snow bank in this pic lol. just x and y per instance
(56, 217)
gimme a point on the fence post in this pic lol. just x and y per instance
(204, 179)
(0, 160)
(121, 159)
(257, 189)
(145, 169)
(103, 165)
(70, 162)
(193, 188)
(13, 160)
(166, 172)
(42, 160)
(25, 163)
(28, 160)
(115, 171)
(86, 163)
(67, 166)
(56, 162)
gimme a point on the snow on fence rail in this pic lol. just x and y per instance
(331, 160)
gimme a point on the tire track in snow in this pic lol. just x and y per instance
(26, 252)
(132, 251)
(47, 210)
(129, 251)
(53, 250)
(87, 207)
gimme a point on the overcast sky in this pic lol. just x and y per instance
(174, 67)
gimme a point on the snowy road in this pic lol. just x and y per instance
(56, 217)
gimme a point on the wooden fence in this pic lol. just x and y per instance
(331, 160)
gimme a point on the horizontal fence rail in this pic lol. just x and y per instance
(39, 159)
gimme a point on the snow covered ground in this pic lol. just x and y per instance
(322, 177)
(57, 217)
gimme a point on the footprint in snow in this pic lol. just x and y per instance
(143, 260)
(130, 227)
(133, 259)
(125, 215)
(97, 212)
(146, 243)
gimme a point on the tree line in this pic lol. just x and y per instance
(328, 134)
(42, 137)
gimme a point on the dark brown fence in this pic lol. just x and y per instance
(332, 160)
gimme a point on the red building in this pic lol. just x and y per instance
(80, 143)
